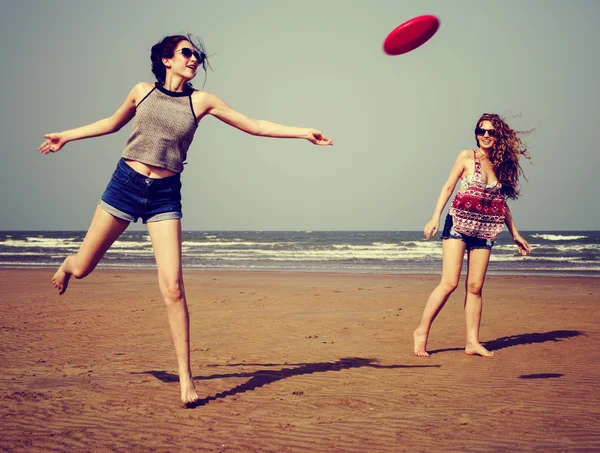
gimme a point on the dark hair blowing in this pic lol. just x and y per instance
(504, 157)
(166, 49)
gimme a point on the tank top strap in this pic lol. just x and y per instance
(477, 163)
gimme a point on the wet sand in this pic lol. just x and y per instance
(297, 362)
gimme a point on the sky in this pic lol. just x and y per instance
(398, 123)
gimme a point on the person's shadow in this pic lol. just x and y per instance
(260, 378)
(520, 339)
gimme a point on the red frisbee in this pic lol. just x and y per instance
(411, 34)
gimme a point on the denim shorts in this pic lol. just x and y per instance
(131, 195)
(472, 242)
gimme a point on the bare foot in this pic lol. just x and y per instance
(478, 349)
(188, 390)
(61, 280)
(420, 339)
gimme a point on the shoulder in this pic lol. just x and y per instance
(144, 86)
(205, 102)
(465, 156)
(203, 96)
(141, 90)
(464, 160)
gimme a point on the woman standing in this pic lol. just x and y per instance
(488, 175)
(147, 181)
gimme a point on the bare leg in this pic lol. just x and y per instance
(453, 251)
(478, 263)
(104, 230)
(166, 241)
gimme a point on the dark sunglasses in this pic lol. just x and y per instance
(481, 131)
(187, 53)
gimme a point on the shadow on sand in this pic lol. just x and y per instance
(521, 339)
(541, 376)
(261, 378)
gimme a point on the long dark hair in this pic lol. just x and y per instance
(504, 157)
(165, 49)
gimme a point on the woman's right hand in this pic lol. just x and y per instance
(54, 142)
(431, 228)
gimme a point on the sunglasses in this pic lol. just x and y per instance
(481, 131)
(187, 53)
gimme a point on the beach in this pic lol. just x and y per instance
(297, 362)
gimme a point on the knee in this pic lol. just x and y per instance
(475, 288)
(448, 286)
(172, 290)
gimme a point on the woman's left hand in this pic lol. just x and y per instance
(54, 142)
(317, 138)
(522, 245)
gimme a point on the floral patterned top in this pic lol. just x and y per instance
(478, 209)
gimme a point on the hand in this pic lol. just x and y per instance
(54, 142)
(317, 138)
(522, 245)
(431, 228)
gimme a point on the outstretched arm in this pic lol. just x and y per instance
(522, 244)
(56, 140)
(209, 104)
(432, 227)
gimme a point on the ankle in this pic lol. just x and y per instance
(421, 331)
(185, 373)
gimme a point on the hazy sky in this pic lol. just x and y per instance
(398, 123)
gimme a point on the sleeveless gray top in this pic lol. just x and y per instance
(163, 129)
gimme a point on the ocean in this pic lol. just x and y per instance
(553, 252)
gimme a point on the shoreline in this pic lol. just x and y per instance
(498, 273)
(565, 253)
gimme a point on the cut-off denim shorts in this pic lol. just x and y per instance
(472, 242)
(131, 195)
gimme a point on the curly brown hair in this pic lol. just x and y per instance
(504, 157)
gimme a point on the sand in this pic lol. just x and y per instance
(297, 362)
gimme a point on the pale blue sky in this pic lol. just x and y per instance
(397, 122)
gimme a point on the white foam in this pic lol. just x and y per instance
(559, 248)
(131, 251)
(42, 242)
(559, 259)
(319, 255)
(22, 254)
(234, 243)
(124, 244)
(557, 237)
